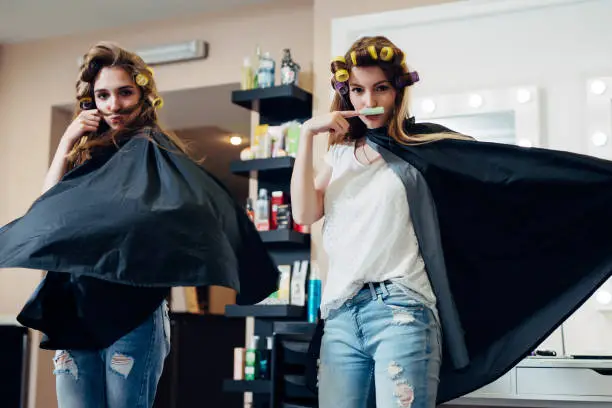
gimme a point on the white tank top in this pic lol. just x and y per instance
(368, 233)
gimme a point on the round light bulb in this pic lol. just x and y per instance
(428, 106)
(475, 101)
(603, 297)
(525, 143)
(599, 139)
(598, 87)
(236, 140)
(523, 95)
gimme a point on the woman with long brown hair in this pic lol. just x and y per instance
(379, 279)
(125, 215)
(121, 365)
(449, 259)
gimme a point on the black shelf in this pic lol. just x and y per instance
(295, 387)
(255, 386)
(287, 238)
(277, 104)
(272, 169)
(298, 328)
(265, 311)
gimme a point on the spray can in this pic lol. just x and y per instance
(314, 294)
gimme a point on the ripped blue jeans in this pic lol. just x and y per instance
(121, 376)
(380, 349)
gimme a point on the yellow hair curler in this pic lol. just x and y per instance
(141, 80)
(354, 57)
(386, 53)
(372, 51)
(339, 59)
(342, 75)
(158, 103)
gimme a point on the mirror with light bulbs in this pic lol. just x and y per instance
(603, 297)
(599, 116)
(509, 115)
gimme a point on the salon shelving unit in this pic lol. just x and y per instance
(265, 311)
(276, 105)
(278, 168)
(285, 238)
(255, 386)
(291, 340)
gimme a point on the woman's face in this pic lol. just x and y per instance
(370, 88)
(117, 96)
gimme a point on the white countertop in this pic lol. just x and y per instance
(565, 362)
(540, 385)
(9, 320)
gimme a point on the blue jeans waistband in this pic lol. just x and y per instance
(372, 290)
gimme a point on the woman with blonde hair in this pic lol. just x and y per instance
(125, 215)
(449, 259)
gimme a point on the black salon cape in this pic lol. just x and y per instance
(526, 235)
(143, 215)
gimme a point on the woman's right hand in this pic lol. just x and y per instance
(331, 122)
(86, 121)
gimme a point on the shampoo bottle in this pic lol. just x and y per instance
(262, 211)
(251, 366)
(266, 71)
(246, 81)
(265, 360)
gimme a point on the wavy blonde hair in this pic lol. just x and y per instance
(381, 52)
(103, 55)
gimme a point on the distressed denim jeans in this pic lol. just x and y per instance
(121, 376)
(380, 349)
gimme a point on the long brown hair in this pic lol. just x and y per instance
(107, 54)
(381, 52)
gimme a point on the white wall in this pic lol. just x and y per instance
(555, 45)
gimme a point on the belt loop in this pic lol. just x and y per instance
(385, 291)
(372, 290)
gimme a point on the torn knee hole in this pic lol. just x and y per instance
(63, 363)
(403, 391)
(122, 364)
(404, 394)
(394, 370)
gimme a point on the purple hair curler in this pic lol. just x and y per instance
(87, 104)
(406, 79)
(341, 87)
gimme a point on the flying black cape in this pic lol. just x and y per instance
(514, 240)
(142, 214)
